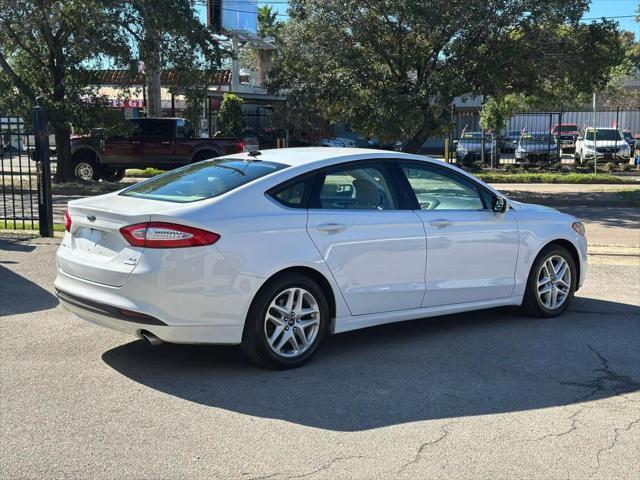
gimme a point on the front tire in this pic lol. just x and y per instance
(286, 322)
(551, 284)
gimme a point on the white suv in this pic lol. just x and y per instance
(609, 145)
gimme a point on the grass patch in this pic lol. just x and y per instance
(575, 178)
(147, 172)
(27, 227)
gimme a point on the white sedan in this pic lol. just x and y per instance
(275, 250)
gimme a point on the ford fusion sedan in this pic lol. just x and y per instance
(276, 250)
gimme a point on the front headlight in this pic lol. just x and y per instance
(624, 149)
(589, 149)
(578, 227)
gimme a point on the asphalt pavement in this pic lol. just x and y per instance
(484, 395)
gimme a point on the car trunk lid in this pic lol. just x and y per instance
(94, 249)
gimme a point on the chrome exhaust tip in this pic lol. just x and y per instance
(150, 338)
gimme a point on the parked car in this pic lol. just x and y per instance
(152, 142)
(469, 147)
(608, 145)
(330, 142)
(631, 140)
(566, 134)
(276, 251)
(348, 142)
(509, 141)
(536, 147)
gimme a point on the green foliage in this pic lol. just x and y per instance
(230, 115)
(170, 35)
(390, 68)
(496, 112)
(574, 178)
(45, 50)
(48, 48)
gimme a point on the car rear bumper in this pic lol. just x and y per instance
(112, 317)
(179, 296)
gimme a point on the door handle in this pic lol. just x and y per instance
(165, 143)
(331, 227)
(135, 142)
(440, 223)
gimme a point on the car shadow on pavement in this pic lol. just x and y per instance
(490, 362)
(20, 295)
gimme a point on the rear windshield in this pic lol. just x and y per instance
(202, 180)
(603, 134)
(537, 138)
(567, 128)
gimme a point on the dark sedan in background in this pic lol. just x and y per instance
(537, 147)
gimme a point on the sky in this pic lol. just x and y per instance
(598, 9)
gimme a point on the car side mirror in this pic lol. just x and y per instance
(499, 204)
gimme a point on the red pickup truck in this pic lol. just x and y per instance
(152, 142)
(566, 135)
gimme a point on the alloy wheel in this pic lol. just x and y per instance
(554, 282)
(292, 322)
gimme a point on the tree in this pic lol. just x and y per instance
(168, 34)
(230, 115)
(270, 30)
(391, 68)
(616, 94)
(495, 115)
(45, 50)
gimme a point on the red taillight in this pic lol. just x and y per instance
(167, 235)
(240, 147)
(67, 221)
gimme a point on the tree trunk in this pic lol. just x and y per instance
(413, 145)
(152, 74)
(64, 165)
(264, 64)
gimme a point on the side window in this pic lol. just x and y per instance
(364, 188)
(155, 129)
(292, 196)
(181, 129)
(437, 190)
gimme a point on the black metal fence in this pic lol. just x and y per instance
(18, 176)
(25, 177)
(544, 137)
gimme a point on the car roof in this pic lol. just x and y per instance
(297, 156)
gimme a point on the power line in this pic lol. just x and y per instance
(607, 18)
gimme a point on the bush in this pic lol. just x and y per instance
(230, 115)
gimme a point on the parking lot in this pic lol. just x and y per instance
(490, 394)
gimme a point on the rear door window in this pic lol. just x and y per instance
(202, 180)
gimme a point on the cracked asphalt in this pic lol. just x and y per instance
(486, 395)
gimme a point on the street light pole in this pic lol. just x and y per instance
(595, 131)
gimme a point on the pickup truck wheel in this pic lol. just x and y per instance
(86, 169)
(113, 175)
(198, 157)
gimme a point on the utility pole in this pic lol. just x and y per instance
(235, 64)
(595, 131)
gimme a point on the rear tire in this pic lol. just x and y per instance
(290, 310)
(86, 168)
(551, 284)
(113, 175)
(206, 155)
